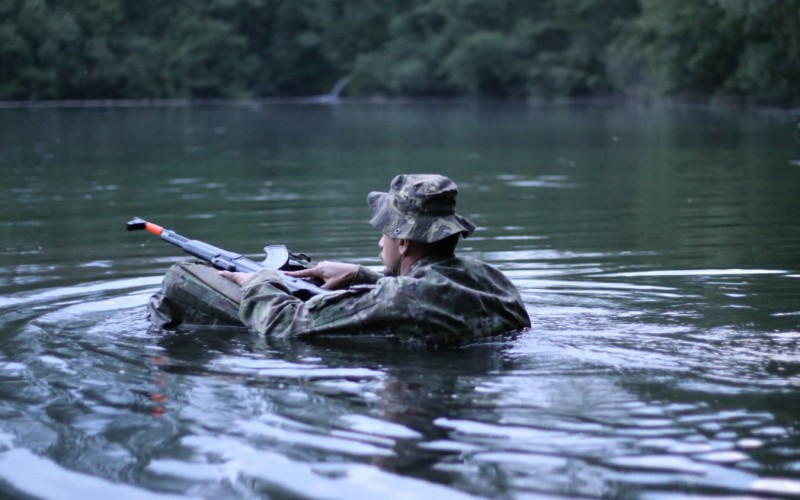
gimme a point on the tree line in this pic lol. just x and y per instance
(736, 50)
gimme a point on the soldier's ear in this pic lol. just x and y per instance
(403, 245)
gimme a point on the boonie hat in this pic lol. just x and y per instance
(418, 207)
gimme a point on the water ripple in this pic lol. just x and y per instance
(40, 477)
(234, 461)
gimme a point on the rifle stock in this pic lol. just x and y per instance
(223, 259)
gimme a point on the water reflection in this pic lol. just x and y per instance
(275, 403)
(607, 400)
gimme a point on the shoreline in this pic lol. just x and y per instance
(379, 100)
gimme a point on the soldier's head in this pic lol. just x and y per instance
(417, 215)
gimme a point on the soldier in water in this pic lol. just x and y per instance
(426, 294)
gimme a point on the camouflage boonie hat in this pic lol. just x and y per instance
(418, 207)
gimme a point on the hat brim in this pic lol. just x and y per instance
(420, 228)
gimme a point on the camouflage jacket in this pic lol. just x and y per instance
(437, 302)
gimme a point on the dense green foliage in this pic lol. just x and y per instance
(746, 50)
(736, 49)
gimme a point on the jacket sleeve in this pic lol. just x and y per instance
(268, 308)
(365, 276)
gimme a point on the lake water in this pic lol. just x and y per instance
(656, 249)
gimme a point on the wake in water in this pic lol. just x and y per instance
(577, 405)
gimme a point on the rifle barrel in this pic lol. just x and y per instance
(223, 259)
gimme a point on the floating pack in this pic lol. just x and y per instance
(193, 292)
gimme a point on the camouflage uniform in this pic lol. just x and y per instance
(439, 301)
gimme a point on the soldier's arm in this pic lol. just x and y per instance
(338, 275)
(268, 308)
(332, 275)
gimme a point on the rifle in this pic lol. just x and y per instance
(226, 260)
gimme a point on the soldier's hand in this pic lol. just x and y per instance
(238, 278)
(332, 275)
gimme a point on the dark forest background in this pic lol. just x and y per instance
(722, 50)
